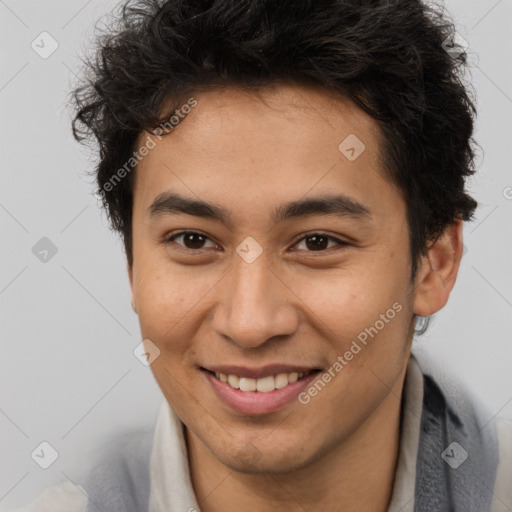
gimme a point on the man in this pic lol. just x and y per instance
(289, 182)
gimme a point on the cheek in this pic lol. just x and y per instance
(345, 303)
(364, 318)
(171, 304)
(161, 305)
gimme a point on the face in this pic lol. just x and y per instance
(299, 264)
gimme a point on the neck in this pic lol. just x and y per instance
(358, 474)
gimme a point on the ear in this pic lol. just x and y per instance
(130, 278)
(438, 270)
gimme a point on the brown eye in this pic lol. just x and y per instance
(190, 239)
(193, 240)
(319, 242)
(316, 242)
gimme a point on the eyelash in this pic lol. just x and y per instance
(341, 243)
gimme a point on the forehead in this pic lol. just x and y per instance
(277, 114)
(237, 146)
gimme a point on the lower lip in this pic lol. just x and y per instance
(256, 402)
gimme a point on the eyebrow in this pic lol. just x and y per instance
(339, 204)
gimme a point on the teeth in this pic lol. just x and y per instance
(247, 384)
(266, 384)
(281, 380)
(263, 385)
(233, 381)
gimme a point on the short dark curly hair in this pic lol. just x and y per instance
(387, 56)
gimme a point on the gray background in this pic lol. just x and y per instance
(68, 373)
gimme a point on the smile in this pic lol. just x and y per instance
(262, 385)
(261, 391)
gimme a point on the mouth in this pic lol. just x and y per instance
(257, 392)
(264, 384)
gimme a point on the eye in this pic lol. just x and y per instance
(314, 242)
(318, 242)
(191, 239)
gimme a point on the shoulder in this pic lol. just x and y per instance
(459, 422)
(503, 487)
(64, 497)
(120, 480)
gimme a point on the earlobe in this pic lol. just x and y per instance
(438, 270)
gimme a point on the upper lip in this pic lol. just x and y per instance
(258, 373)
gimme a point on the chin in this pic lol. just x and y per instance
(257, 464)
(256, 458)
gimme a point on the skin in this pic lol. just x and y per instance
(202, 304)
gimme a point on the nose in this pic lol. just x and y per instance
(255, 305)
